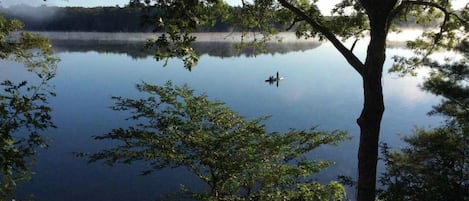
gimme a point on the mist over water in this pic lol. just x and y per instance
(232, 37)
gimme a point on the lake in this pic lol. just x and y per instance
(319, 89)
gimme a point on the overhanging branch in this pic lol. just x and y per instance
(404, 4)
(296, 20)
(444, 10)
(349, 56)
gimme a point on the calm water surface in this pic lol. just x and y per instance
(319, 89)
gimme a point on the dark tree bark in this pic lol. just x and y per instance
(369, 122)
(373, 107)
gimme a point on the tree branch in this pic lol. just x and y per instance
(447, 14)
(404, 4)
(349, 56)
(296, 20)
(353, 46)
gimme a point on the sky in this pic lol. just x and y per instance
(324, 5)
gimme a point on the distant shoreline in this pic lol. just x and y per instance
(289, 37)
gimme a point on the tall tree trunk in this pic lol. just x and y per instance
(373, 109)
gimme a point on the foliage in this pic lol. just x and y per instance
(451, 33)
(23, 107)
(236, 158)
(450, 81)
(435, 166)
(178, 19)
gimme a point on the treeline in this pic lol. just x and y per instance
(107, 19)
(97, 19)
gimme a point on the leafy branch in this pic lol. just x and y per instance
(24, 110)
(235, 157)
(348, 54)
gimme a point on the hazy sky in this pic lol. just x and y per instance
(325, 5)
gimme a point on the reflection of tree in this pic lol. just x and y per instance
(217, 49)
(23, 106)
(236, 158)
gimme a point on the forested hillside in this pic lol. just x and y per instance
(98, 19)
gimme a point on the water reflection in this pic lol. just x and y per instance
(135, 49)
(274, 79)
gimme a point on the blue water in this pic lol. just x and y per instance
(319, 89)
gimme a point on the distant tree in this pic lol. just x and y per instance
(23, 107)
(236, 158)
(99, 19)
(435, 165)
(353, 19)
